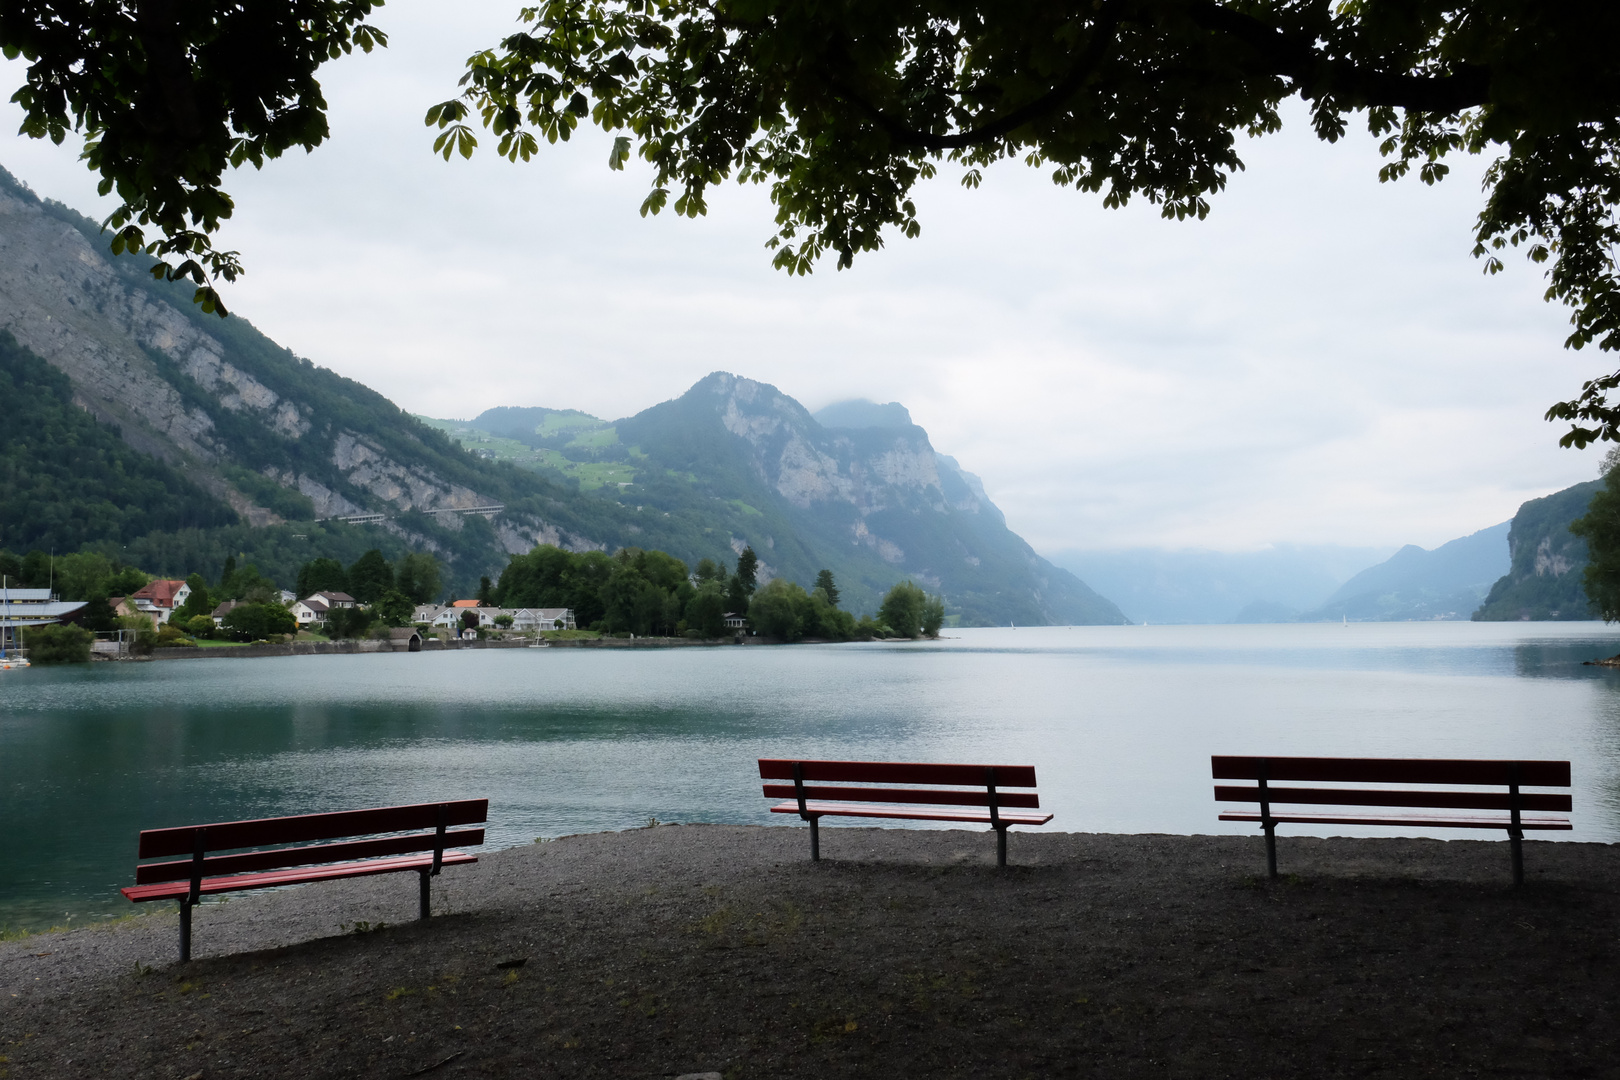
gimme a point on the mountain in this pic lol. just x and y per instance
(1544, 580)
(1273, 585)
(174, 439)
(1446, 583)
(865, 495)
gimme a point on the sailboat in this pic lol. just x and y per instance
(7, 662)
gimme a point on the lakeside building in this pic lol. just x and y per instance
(21, 609)
(158, 599)
(310, 612)
(549, 618)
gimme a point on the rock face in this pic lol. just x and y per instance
(1548, 562)
(731, 463)
(873, 500)
(177, 391)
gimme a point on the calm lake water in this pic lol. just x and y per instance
(1120, 722)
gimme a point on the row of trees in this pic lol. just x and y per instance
(652, 593)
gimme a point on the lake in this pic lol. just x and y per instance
(1120, 722)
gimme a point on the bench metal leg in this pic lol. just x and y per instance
(1001, 847)
(1271, 850)
(1516, 838)
(185, 929)
(815, 841)
(426, 907)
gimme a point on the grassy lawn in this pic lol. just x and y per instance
(569, 635)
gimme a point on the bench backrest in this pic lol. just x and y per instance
(824, 780)
(196, 841)
(1512, 775)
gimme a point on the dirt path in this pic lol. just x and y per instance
(722, 949)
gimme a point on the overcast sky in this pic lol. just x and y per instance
(1321, 361)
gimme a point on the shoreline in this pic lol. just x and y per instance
(713, 948)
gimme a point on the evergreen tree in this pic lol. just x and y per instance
(322, 575)
(370, 577)
(418, 576)
(825, 582)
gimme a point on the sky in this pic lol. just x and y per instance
(1319, 362)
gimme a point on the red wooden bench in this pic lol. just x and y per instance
(354, 849)
(1512, 806)
(819, 789)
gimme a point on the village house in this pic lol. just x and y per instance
(334, 599)
(734, 620)
(224, 609)
(555, 618)
(158, 599)
(450, 617)
(427, 613)
(311, 611)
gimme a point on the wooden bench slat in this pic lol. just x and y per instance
(300, 876)
(351, 851)
(305, 828)
(843, 809)
(946, 796)
(897, 772)
(1450, 800)
(1393, 770)
(1555, 824)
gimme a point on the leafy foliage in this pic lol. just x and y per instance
(58, 644)
(909, 612)
(370, 577)
(844, 109)
(322, 575)
(170, 94)
(253, 622)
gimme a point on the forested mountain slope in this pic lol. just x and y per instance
(1545, 579)
(869, 498)
(234, 446)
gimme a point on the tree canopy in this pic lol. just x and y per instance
(842, 109)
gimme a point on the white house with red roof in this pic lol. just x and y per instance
(158, 599)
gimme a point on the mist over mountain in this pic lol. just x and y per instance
(1272, 585)
(1446, 583)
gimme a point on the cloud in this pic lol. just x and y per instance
(1319, 361)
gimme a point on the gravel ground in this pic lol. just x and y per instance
(684, 950)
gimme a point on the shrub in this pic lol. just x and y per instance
(170, 635)
(252, 622)
(58, 644)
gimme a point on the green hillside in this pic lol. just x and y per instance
(66, 480)
(1545, 582)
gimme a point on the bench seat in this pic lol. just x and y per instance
(914, 813)
(932, 792)
(1448, 798)
(1422, 820)
(300, 875)
(263, 853)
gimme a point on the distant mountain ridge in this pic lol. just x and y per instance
(868, 497)
(1446, 583)
(1212, 587)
